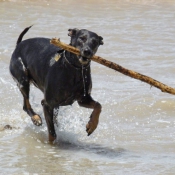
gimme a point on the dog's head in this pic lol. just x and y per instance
(87, 42)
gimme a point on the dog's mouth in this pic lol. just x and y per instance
(83, 60)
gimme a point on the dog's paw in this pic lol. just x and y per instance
(90, 127)
(36, 119)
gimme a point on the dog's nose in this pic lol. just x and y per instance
(86, 52)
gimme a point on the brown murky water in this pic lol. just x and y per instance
(136, 133)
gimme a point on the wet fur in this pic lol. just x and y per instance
(62, 76)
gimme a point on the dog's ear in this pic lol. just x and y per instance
(73, 32)
(101, 40)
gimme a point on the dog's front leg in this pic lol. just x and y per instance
(88, 102)
(48, 113)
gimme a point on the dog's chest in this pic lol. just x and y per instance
(82, 82)
(68, 86)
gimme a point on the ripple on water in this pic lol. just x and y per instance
(136, 129)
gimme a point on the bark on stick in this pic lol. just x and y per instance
(112, 65)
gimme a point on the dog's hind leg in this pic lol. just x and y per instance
(36, 119)
(20, 75)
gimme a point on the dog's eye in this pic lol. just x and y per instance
(83, 38)
(94, 43)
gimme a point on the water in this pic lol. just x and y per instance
(136, 133)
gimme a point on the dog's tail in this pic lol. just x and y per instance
(22, 34)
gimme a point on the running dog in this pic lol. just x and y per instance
(62, 76)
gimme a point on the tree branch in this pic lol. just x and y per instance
(112, 65)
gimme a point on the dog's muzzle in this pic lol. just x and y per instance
(85, 56)
(83, 60)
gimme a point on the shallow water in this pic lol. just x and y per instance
(136, 133)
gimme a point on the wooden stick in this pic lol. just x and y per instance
(112, 65)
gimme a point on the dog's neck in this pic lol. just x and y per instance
(73, 60)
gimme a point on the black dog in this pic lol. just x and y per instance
(63, 77)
